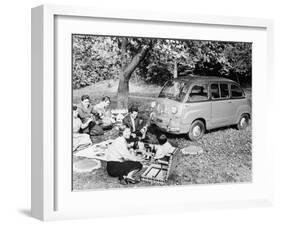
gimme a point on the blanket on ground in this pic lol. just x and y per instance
(95, 151)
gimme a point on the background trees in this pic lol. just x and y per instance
(97, 58)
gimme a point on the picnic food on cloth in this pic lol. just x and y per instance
(86, 165)
(96, 151)
(192, 150)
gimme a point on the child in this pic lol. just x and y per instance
(164, 149)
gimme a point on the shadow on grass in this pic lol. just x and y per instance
(156, 131)
(25, 212)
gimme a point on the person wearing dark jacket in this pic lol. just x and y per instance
(85, 112)
(136, 122)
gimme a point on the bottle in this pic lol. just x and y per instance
(136, 145)
(153, 150)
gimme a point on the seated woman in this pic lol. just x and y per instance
(120, 162)
(80, 140)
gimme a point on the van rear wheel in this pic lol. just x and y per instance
(243, 122)
(197, 130)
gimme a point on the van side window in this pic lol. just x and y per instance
(224, 90)
(183, 92)
(236, 91)
(198, 93)
(215, 92)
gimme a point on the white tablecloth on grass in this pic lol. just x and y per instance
(95, 151)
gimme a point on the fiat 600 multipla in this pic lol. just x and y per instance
(193, 104)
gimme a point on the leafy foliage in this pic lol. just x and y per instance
(97, 58)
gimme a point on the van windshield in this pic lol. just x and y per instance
(174, 90)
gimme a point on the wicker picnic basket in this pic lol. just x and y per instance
(158, 173)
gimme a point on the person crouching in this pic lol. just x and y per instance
(164, 148)
(120, 162)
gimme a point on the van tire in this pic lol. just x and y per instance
(243, 122)
(196, 130)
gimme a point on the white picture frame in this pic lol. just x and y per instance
(51, 199)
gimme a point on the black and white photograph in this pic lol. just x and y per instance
(160, 112)
(145, 113)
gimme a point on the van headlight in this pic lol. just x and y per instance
(153, 104)
(174, 110)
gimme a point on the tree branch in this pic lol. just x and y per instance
(135, 62)
(123, 53)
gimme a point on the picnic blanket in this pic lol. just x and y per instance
(95, 151)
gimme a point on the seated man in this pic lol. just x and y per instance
(136, 122)
(86, 111)
(103, 113)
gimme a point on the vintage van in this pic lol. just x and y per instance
(193, 104)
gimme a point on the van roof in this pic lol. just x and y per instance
(197, 78)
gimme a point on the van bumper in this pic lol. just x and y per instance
(168, 125)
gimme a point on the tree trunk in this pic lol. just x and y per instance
(175, 69)
(125, 75)
(123, 92)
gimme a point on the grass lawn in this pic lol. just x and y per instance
(109, 88)
(226, 157)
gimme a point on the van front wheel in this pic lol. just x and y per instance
(197, 130)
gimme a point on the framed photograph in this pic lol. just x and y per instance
(138, 112)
